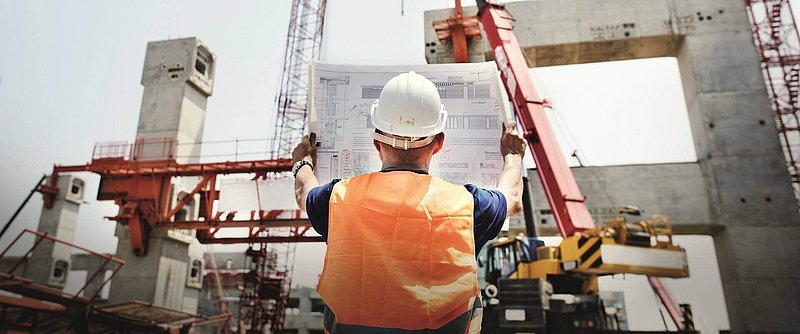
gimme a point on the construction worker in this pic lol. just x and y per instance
(402, 245)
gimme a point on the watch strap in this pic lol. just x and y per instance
(300, 164)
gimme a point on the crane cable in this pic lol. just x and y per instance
(572, 141)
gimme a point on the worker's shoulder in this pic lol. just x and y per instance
(450, 187)
(444, 183)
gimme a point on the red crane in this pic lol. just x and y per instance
(141, 190)
(777, 40)
(559, 185)
(458, 30)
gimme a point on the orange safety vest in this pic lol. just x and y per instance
(401, 252)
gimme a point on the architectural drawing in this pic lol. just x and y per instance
(341, 98)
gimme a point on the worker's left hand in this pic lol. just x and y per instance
(306, 150)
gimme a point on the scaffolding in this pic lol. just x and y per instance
(265, 288)
(778, 43)
(268, 285)
(302, 47)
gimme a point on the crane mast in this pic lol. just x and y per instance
(263, 302)
(303, 43)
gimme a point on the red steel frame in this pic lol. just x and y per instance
(778, 43)
(142, 191)
(458, 29)
(39, 238)
(559, 184)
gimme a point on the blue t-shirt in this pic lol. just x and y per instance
(488, 215)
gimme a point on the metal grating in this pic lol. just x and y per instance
(778, 43)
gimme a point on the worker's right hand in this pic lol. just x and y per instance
(306, 150)
(512, 141)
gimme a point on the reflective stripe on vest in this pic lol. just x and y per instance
(401, 252)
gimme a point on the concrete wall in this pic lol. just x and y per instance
(683, 197)
(740, 186)
(160, 277)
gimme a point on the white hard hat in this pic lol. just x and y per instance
(409, 107)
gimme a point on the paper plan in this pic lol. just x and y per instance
(341, 98)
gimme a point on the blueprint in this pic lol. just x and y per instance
(342, 95)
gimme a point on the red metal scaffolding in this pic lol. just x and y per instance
(778, 43)
(272, 281)
(141, 188)
(302, 47)
(265, 288)
(458, 30)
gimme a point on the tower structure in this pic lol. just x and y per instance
(778, 45)
(50, 262)
(267, 292)
(178, 77)
(302, 47)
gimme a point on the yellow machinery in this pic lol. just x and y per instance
(557, 278)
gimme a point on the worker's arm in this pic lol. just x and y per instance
(512, 147)
(305, 180)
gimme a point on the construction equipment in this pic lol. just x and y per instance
(142, 190)
(564, 277)
(545, 289)
(776, 36)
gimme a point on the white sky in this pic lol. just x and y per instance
(70, 71)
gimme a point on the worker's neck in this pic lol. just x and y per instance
(393, 165)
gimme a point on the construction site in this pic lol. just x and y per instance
(661, 184)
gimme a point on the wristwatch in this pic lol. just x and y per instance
(300, 164)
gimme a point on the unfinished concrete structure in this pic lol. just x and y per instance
(178, 77)
(739, 189)
(50, 263)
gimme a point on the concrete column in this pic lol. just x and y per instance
(178, 77)
(50, 262)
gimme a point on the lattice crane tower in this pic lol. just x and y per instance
(778, 43)
(302, 47)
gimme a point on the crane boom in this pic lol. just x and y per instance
(560, 188)
(558, 183)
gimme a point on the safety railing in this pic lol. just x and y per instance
(151, 149)
(46, 245)
(111, 150)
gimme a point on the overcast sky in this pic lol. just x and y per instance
(70, 72)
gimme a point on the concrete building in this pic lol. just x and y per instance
(230, 267)
(303, 311)
(50, 262)
(178, 78)
(738, 190)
